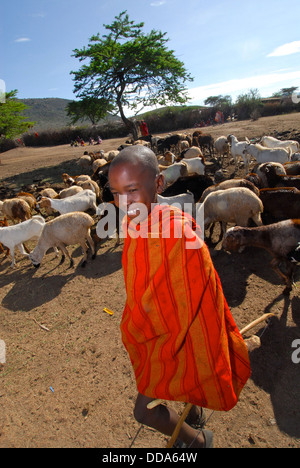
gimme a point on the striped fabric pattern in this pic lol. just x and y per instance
(177, 327)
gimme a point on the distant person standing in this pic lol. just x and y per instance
(144, 128)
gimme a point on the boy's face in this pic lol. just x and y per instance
(137, 184)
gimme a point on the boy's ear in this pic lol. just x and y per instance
(160, 183)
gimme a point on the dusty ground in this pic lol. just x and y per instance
(71, 385)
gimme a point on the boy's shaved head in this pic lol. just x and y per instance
(139, 156)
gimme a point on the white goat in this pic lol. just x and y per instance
(237, 149)
(173, 172)
(67, 229)
(271, 142)
(263, 154)
(184, 201)
(14, 236)
(234, 205)
(82, 201)
(195, 166)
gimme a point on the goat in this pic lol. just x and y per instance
(204, 142)
(262, 154)
(235, 205)
(184, 201)
(195, 166)
(67, 229)
(173, 172)
(237, 149)
(195, 184)
(16, 235)
(268, 173)
(271, 142)
(82, 201)
(279, 239)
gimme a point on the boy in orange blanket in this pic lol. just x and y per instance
(177, 328)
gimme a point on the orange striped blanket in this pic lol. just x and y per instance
(177, 327)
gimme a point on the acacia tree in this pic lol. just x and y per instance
(88, 108)
(12, 122)
(130, 69)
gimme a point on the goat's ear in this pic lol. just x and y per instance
(247, 140)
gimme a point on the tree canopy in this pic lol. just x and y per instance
(12, 122)
(130, 69)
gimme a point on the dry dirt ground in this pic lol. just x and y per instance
(71, 384)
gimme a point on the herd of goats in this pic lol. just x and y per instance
(263, 206)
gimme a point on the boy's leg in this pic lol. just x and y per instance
(164, 420)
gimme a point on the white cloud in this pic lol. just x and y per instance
(286, 49)
(264, 83)
(157, 4)
(23, 39)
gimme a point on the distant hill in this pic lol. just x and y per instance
(49, 113)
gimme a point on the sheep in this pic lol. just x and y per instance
(90, 185)
(271, 142)
(98, 163)
(85, 162)
(237, 149)
(263, 154)
(280, 203)
(295, 157)
(279, 239)
(111, 155)
(67, 229)
(222, 147)
(2, 224)
(16, 235)
(29, 198)
(15, 209)
(48, 192)
(230, 183)
(292, 168)
(82, 201)
(69, 192)
(173, 172)
(235, 205)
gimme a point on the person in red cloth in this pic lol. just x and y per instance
(176, 326)
(144, 128)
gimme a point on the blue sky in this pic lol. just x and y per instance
(228, 46)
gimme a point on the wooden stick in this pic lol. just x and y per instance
(255, 322)
(40, 325)
(181, 420)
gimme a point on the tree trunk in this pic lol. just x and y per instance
(132, 127)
